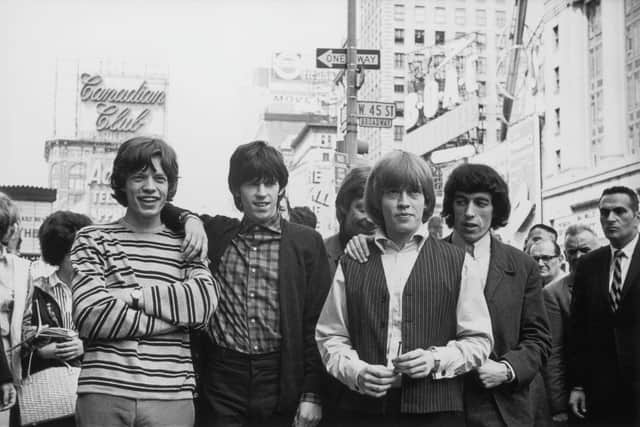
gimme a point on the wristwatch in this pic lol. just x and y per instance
(136, 295)
(436, 361)
(509, 373)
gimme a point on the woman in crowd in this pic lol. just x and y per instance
(50, 297)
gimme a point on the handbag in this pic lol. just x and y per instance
(48, 394)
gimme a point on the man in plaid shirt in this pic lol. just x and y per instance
(259, 364)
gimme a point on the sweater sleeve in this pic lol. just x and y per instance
(96, 313)
(188, 303)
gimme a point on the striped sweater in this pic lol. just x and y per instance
(139, 354)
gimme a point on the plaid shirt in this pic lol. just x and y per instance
(248, 316)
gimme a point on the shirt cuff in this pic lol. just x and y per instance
(311, 398)
(354, 369)
(510, 368)
(445, 370)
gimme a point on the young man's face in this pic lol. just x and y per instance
(259, 200)
(402, 211)
(473, 213)
(356, 221)
(543, 253)
(146, 192)
(577, 246)
(619, 221)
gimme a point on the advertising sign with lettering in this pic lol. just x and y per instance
(117, 107)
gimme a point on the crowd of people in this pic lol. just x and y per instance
(177, 318)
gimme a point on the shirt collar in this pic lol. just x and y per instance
(272, 225)
(482, 246)
(627, 249)
(383, 242)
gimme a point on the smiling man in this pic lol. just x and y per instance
(504, 390)
(134, 298)
(398, 330)
(259, 361)
(604, 344)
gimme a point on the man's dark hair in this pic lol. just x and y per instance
(546, 228)
(619, 189)
(256, 162)
(134, 155)
(303, 215)
(57, 232)
(477, 178)
(352, 188)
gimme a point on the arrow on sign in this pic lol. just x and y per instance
(329, 58)
(368, 59)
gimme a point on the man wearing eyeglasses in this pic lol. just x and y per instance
(579, 240)
(549, 258)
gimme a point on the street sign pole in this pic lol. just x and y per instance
(351, 136)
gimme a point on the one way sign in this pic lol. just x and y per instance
(369, 59)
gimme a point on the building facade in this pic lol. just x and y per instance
(591, 137)
(458, 39)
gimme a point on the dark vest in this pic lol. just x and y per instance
(429, 304)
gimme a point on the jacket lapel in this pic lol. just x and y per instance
(499, 266)
(633, 274)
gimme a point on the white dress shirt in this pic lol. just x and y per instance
(625, 261)
(480, 252)
(474, 339)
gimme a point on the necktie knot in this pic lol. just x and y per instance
(469, 249)
(618, 254)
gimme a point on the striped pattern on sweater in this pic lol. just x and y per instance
(140, 354)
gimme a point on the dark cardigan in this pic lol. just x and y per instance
(304, 282)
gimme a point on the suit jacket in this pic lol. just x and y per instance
(521, 333)
(303, 278)
(557, 300)
(604, 347)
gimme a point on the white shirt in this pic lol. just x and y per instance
(470, 349)
(625, 261)
(481, 253)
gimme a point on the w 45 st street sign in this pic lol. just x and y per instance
(368, 59)
(371, 114)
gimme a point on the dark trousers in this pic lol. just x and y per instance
(392, 417)
(242, 390)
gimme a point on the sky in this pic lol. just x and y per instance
(210, 48)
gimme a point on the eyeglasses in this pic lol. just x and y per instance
(543, 258)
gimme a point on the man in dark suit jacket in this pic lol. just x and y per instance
(579, 240)
(259, 363)
(604, 344)
(507, 389)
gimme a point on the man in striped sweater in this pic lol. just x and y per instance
(134, 300)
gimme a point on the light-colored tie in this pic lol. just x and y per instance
(615, 292)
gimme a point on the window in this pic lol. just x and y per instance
(558, 161)
(459, 34)
(398, 132)
(419, 37)
(325, 157)
(77, 177)
(399, 108)
(420, 14)
(556, 37)
(398, 12)
(460, 16)
(398, 84)
(481, 17)
(556, 74)
(55, 177)
(440, 15)
(482, 89)
(398, 60)
(501, 18)
(439, 38)
(481, 38)
(557, 111)
(399, 35)
(481, 65)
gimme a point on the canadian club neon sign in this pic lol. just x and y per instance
(115, 106)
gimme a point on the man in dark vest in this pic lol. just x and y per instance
(400, 329)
